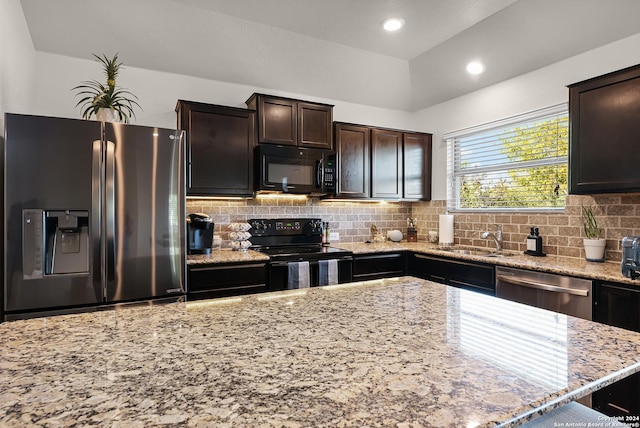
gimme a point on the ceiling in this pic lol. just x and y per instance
(335, 49)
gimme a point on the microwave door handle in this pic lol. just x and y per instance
(319, 173)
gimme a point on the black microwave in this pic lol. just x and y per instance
(289, 169)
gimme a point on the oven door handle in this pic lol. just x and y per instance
(311, 262)
(543, 286)
(279, 264)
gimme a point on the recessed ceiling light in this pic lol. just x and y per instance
(475, 67)
(393, 24)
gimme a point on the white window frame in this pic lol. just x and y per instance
(454, 164)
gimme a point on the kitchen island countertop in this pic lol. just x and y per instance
(398, 352)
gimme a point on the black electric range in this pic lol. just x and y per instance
(294, 240)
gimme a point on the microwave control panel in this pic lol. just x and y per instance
(330, 174)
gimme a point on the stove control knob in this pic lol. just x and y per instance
(259, 225)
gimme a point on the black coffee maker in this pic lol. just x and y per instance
(200, 233)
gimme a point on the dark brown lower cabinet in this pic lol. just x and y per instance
(223, 280)
(378, 265)
(473, 276)
(618, 305)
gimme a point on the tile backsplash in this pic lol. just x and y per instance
(618, 216)
(352, 220)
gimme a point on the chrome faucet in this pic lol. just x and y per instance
(497, 237)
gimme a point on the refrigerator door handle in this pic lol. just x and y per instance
(96, 218)
(109, 212)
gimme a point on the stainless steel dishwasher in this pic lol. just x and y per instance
(564, 294)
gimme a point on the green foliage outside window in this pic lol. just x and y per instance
(522, 185)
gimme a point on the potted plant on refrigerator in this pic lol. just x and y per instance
(594, 246)
(107, 102)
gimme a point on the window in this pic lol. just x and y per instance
(517, 163)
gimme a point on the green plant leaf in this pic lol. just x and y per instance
(95, 95)
(589, 223)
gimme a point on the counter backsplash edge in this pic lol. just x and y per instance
(618, 215)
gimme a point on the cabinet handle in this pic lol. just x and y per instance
(622, 409)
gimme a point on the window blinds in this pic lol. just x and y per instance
(517, 163)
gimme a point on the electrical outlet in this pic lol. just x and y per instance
(334, 236)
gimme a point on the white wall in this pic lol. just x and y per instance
(541, 88)
(158, 93)
(17, 60)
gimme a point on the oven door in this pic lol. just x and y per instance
(290, 169)
(279, 273)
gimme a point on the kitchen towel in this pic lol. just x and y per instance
(298, 275)
(446, 229)
(327, 272)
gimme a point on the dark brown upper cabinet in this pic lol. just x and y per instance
(220, 143)
(382, 163)
(293, 122)
(386, 164)
(417, 166)
(604, 133)
(353, 145)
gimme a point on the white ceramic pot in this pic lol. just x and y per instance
(107, 115)
(594, 249)
(394, 235)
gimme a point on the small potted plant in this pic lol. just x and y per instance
(594, 246)
(106, 102)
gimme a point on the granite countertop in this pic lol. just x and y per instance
(399, 352)
(607, 271)
(226, 256)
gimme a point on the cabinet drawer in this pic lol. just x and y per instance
(373, 266)
(468, 275)
(227, 279)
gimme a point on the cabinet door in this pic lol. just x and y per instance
(278, 121)
(386, 164)
(472, 276)
(373, 266)
(417, 166)
(468, 275)
(208, 281)
(427, 267)
(220, 142)
(315, 125)
(353, 145)
(604, 133)
(619, 306)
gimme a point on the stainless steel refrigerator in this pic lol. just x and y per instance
(94, 215)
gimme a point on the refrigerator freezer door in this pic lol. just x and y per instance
(48, 168)
(144, 211)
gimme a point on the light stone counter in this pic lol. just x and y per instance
(607, 271)
(391, 353)
(226, 256)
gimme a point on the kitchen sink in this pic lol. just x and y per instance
(471, 251)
